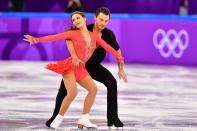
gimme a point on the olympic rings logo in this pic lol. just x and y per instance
(171, 42)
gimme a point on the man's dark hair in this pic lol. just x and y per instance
(103, 10)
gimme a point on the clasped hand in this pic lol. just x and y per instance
(76, 61)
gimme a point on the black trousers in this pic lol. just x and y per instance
(101, 74)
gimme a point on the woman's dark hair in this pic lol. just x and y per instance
(78, 12)
(75, 12)
(103, 10)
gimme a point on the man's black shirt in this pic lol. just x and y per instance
(100, 53)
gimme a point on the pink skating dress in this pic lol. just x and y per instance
(83, 52)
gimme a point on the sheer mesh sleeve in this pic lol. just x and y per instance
(50, 38)
(108, 48)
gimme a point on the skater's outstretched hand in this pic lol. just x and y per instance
(28, 38)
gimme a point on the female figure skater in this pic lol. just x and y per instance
(84, 44)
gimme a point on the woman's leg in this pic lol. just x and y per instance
(71, 87)
(90, 86)
(70, 84)
(62, 92)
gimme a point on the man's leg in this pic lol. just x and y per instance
(59, 98)
(101, 74)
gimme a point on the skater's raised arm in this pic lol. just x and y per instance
(49, 38)
(108, 48)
